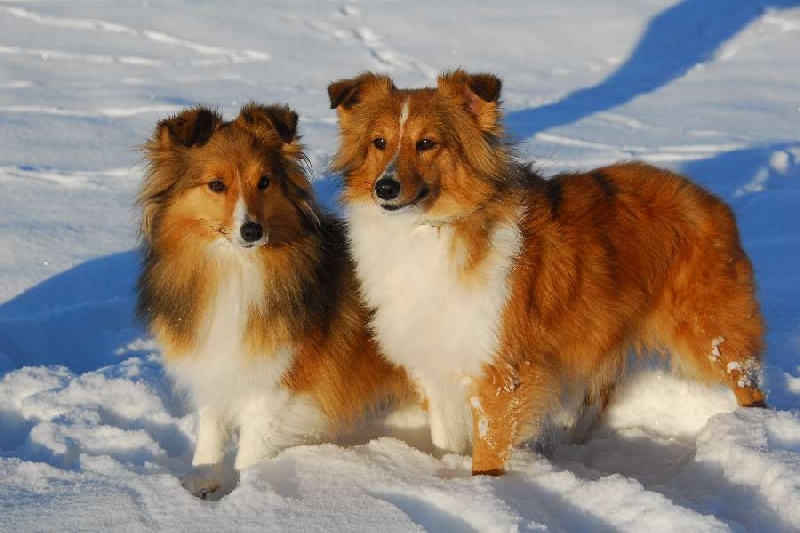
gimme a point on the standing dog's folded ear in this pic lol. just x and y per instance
(478, 93)
(346, 93)
(192, 127)
(279, 118)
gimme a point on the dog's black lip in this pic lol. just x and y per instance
(424, 192)
(248, 245)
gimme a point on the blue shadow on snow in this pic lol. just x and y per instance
(676, 40)
(77, 318)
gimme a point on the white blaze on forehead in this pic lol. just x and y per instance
(404, 116)
(403, 120)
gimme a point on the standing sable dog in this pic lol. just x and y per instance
(501, 292)
(250, 290)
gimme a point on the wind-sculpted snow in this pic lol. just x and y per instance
(94, 437)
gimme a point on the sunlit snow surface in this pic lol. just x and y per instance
(92, 436)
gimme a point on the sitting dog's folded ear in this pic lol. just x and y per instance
(192, 127)
(279, 118)
(165, 151)
(478, 93)
(344, 94)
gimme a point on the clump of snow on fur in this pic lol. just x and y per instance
(715, 353)
(483, 427)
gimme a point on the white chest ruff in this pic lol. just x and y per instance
(220, 375)
(428, 318)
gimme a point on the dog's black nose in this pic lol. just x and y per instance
(387, 189)
(251, 231)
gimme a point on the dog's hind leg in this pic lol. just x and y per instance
(728, 357)
(273, 424)
(710, 318)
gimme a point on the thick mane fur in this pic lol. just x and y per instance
(174, 286)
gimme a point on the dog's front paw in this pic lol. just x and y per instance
(208, 482)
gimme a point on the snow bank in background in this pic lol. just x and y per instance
(92, 436)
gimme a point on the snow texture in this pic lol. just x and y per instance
(92, 436)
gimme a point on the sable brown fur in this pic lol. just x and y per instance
(308, 302)
(623, 258)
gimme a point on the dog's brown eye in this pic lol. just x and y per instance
(424, 145)
(217, 185)
(380, 143)
(263, 183)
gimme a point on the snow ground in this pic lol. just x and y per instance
(92, 436)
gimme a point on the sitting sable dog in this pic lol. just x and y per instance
(250, 290)
(502, 293)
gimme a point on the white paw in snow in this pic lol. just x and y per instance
(209, 482)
